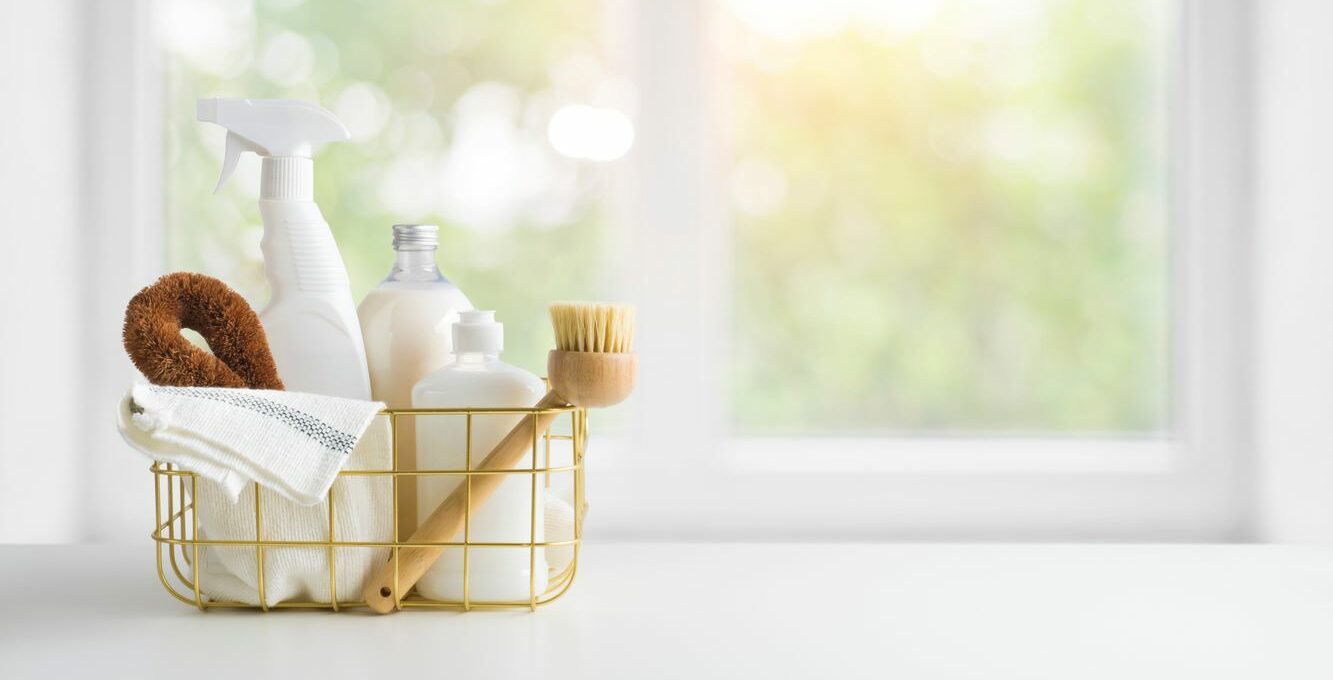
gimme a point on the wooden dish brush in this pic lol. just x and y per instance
(592, 367)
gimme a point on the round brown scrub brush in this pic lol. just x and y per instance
(593, 366)
(153, 322)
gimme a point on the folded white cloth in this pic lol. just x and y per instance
(293, 445)
(290, 442)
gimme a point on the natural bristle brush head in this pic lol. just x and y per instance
(593, 327)
(593, 364)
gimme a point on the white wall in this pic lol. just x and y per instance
(1295, 271)
(71, 253)
(41, 334)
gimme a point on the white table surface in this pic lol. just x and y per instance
(723, 611)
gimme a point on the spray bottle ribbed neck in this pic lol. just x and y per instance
(287, 178)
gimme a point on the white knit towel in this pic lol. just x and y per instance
(290, 442)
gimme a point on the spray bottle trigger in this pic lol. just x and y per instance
(236, 145)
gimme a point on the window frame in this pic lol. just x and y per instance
(121, 188)
(676, 474)
(672, 473)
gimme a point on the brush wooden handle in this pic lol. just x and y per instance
(448, 519)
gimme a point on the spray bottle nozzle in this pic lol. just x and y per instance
(273, 128)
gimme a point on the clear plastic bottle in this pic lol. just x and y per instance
(405, 325)
(478, 378)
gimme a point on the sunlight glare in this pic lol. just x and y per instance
(590, 133)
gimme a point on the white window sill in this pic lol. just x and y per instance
(950, 455)
(922, 455)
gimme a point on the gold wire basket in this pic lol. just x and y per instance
(180, 544)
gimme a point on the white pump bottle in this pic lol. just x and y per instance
(310, 319)
(513, 513)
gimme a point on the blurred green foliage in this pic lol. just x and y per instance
(963, 229)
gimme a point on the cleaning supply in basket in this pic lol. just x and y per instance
(559, 525)
(310, 318)
(593, 366)
(405, 324)
(290, 442)
(478, 379)
(293, 445)
(156, 315)
(406, 321)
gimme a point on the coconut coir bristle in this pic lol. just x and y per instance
(240, 354)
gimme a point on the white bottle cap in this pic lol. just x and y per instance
(478, 331)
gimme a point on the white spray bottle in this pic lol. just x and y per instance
(310, 319)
